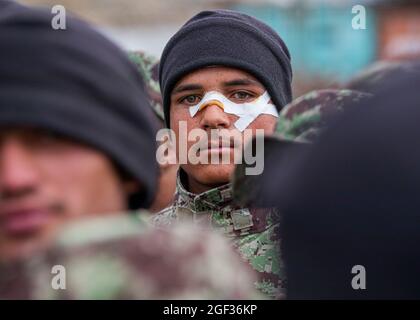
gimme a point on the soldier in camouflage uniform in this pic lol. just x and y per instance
(199, 60)
(254, 231)
(68, 155)
(76, 134)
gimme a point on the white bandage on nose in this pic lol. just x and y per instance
(247, 112)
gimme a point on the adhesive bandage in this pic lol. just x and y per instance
(247, 112)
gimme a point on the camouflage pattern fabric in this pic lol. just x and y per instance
(148, 67)
(301, 121)
(252, 232)
(305, 117)
(376, 75)
(123, 257)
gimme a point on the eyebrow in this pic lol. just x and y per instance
(241, 82)
(187, 87)
(231, 83)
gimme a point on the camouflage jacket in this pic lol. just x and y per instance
(253, 232)
(123, 257)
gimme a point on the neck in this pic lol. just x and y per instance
(196, 187)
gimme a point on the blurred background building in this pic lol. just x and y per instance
(325, 49)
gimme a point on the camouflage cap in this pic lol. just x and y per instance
(300, 122)
(376, 75)
(307, 116)
(148, 67)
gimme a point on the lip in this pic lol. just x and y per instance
(23, 220)
(218, 147)
(224, 144)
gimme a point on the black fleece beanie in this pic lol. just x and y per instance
(232, 39)
(76, 83)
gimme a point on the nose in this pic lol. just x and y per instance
(17, 170)
(213, 117)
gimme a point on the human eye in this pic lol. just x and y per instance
(191, 99)
(242, 96)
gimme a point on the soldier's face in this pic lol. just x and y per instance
(45, 181)
(238, 86)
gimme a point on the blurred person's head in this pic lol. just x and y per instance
(148, 67)
(351, 205)
(76, 130)
(379, 73)
(217, 63)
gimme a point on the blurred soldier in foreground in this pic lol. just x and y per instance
(148, 66)
(122, 257)
(76, 133)
(351, 203)
(77, 141)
